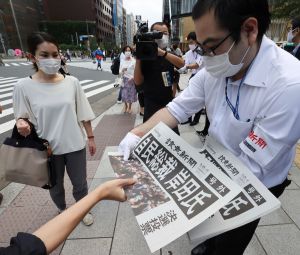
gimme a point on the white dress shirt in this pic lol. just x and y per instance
(265, 137)
(192, 57)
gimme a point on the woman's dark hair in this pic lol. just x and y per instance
(35, 39)
(296, 23)
(231, 14)
(192, 36)
(125, 48)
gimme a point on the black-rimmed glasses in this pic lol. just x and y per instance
(210, 51)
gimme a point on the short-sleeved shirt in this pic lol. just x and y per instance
(24, 244)
(265, 135)
(56, 110)
(153, 85)
(192, 57)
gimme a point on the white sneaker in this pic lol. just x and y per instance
(88, 219)
(119, 102)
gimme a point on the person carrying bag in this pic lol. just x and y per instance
(27, 160)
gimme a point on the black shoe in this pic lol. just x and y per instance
(1, 198)
(194, 123)
(141, 114)
(202, 133)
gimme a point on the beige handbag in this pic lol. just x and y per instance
(27, 160)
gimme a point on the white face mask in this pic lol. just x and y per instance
(163, 42)
(290, 36)
(49, 65)
(127, 54)
(192, 46)
(220, 66)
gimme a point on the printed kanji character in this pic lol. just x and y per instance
(261, 143)
(234, 205)
(172, 215)
(234, 171)
(221, 158)
(252, 136)
(142, 145)
(212, 180)
(150, 151)
(192, 162)
(155, 224)
(166, 168)
(184, 156)
(178, 179)
(221, 189)
(146, 228)
(229, 165)
(250, 190)
(195, 200)
(257, 198)
(158, 159)
(164, 220)
(177, 149)
(186, 190)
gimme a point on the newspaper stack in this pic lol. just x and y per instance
(181, 189)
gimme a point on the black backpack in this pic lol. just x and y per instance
(115, 65)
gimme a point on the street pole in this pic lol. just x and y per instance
(2, 42)
(77, 39)
(16, 23)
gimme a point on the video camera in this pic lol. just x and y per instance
(146, 47)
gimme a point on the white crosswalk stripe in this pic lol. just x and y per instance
(12, 64)
(15, 64)
(7, 86)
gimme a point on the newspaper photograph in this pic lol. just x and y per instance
(253, 202)
(177, 188)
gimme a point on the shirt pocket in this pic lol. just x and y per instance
(236, 131)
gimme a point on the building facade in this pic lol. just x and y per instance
(18, 19)
(98, 12)
(118, 21)
(131, 28)
(124, 28)
(177, 13)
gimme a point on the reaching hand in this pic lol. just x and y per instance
(128, 144)
(114, 190)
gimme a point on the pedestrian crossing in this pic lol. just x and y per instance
(7, 121)
(18, 64)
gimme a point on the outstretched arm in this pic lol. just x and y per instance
(54, 232)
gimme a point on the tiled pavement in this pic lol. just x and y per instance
(115, 230)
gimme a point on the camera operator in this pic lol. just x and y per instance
(157, 75)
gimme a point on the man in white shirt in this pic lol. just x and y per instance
(193, 61)
(250, 88)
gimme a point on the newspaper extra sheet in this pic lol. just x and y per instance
(177, 189)
(253, 202)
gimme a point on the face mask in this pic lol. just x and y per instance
(290, 36)
(127, 54)
(163, 42)
(192, 46)
(49, 65)
(220, 66)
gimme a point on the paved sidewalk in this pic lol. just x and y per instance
(115, 230)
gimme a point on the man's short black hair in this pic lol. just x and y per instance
(231, 14)
(158, 24)
(295, 22)
(192, 36)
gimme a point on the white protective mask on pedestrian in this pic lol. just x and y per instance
(163, 42)
(220, 66)
(127, 54)
(49, 65)
(192, 46)
(290, 36)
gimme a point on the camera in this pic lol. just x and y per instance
(146, 47)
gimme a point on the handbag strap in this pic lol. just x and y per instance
(32, 136)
